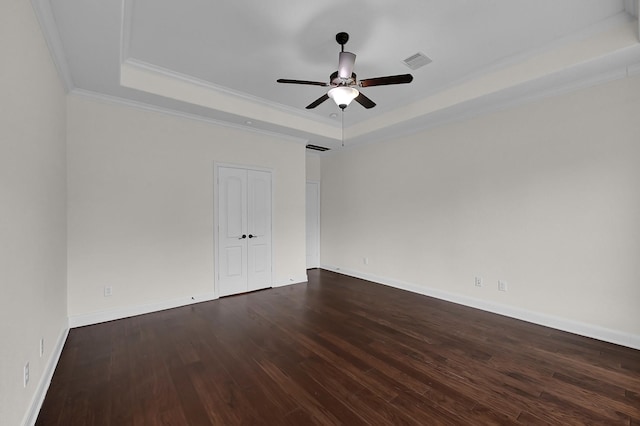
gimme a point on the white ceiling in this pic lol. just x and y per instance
(220, 60)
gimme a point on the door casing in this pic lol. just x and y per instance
(312, 225)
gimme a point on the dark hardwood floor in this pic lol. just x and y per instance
(337, 350)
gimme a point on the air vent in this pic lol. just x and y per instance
(416, 61)
(317, 148)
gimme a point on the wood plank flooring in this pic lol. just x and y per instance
(337, 350)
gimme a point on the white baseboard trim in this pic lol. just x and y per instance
(130, 311)
(293, 280)
(45, 380)
(563, 324)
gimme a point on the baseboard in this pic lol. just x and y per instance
(558, 323)
(45, 380)
(131, 311)
(293, 280)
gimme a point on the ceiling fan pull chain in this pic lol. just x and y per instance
(342, 127)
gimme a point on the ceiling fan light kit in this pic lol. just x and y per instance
(343, 95)
(343, 82)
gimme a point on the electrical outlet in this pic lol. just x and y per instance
(365, 260)
(26, 374)
(502, 285)
(41, 347)
(108, 291)
(478, 281)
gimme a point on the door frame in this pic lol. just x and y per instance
(317, 183)
(216, 224)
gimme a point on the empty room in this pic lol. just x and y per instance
(292, 213)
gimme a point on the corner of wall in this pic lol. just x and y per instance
(45, 379)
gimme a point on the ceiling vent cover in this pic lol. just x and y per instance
(317, 148)
(417, 60)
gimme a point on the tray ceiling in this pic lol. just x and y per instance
(220, 60)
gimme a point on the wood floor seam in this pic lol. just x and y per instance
(337, 350)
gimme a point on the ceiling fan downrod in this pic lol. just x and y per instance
(342, 39)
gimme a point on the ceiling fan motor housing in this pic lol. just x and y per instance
(342, 39)
(337, 81)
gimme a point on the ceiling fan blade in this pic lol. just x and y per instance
(346, 62)
(312, 83)
(318, 101)
(364, 101)
(392, 79)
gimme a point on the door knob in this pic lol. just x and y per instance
(253, 236)
(243, 237)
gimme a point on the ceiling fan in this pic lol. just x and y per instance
(343, 82)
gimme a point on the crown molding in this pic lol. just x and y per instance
(488, 106)
(607, 45)
(49, 27)
(618, 20)
(225, 90)
(175, 113)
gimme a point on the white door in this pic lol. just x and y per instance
(313, 224)
(232, 231)
(259, 230)
(244, 230)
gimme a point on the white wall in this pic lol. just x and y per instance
(544, 196)
(33, 209)
(141, 205)
(313, 167)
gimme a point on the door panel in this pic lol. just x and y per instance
(313, 224)
(234, 257)
(259, 227)
(260, 258)
(232, 219)
(259, 202)
(236, 207)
